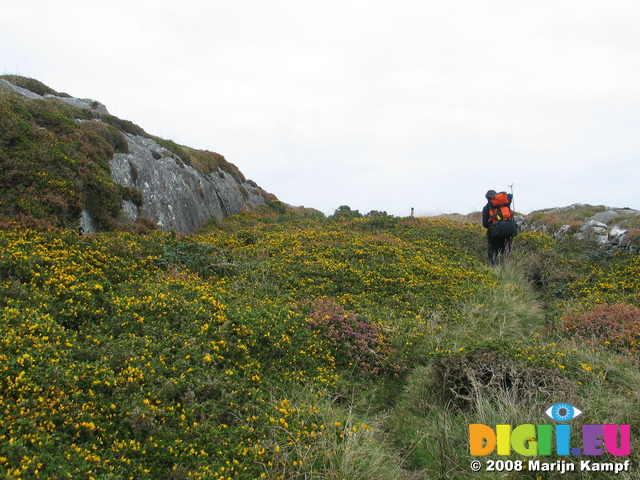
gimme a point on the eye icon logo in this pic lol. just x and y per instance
(563, 412)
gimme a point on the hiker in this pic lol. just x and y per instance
(497, 219)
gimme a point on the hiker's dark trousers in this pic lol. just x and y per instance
(498, 249)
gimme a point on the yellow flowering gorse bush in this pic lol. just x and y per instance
(158, 356)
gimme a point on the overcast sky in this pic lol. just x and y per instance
(379, 105)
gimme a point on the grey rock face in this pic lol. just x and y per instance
(177, 196)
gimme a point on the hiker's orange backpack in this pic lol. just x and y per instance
(499, 209)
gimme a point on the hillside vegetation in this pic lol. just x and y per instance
(54, 159)
(274, 345)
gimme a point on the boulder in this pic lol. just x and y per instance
(617, 236)
(594, 230)
(606, 216)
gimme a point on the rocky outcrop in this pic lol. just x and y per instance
(605, 235)
(175, 195)
(167, 189)
(606, 228)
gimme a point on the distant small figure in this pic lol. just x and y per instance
(412, 211)
(498, 220)
(80, 231)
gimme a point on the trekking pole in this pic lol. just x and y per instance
(512, 202)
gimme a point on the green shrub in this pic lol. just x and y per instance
(123, 125)
(131, 194)
(344, 212)
(110, 134)
(54, 167)
(277, 206)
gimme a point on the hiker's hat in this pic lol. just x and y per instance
(490, 194)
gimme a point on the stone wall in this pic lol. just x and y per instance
(606, 228)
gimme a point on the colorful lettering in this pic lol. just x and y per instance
(611, 440)
(482, 440)
(532, 440)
